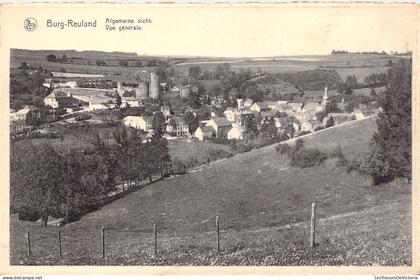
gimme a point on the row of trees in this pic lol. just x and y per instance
(390, 155)
(48, 182)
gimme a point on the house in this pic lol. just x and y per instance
(139, 122)
(58, 99)
(296, 107)
(178, 127)
(358, 114)
(230, 114)
(278, 123)
(204, 132)
(339, 118)
(283, 108)
(248, 103)
(240, 102)
(130, 102)
(221, 126)
(166, 111)
(311, 107)
(22, 113)
(19, 127)
(236, 132)
(100, 105)
(260, 107)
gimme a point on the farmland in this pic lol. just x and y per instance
(264, 205)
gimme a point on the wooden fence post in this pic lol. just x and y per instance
(217, 235)
(313, 221)
(28, 239)
(59, 243)
(154, 240)
(103, 242)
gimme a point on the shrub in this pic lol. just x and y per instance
(178, 167)
(353, 164)
(215, 154)
(305, 157)
(191, 162)
(338, 153)
(283, 148)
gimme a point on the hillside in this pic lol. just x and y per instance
(255, 194)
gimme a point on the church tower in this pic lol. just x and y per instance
(325, 99)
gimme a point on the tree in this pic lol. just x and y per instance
(194, 72)
(191, 121)
(251, 128)
(330, 122)
(118, 100)
(123, 63)
(33, 118)
(372, 92)
(269, 130)
(332, 107)
(37, 173)
(100, 62)
(51, 58)
(158, 125)
(24, 66)
(390, 155)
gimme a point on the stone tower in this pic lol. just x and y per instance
(154, 85)
(325, 99)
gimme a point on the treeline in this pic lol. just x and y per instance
(315, 79)
(48, 182)
(27, 89)
(366, 52)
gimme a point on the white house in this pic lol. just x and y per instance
(248, 103)
(57, 98)
(236, 132)
(166, 111)
(358, 114)
(22, 113)
(230, 114)
(130, 102)
(204, 132)
(139, 122)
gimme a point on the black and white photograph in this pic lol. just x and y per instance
(296, 154)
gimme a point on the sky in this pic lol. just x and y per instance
(224, 30)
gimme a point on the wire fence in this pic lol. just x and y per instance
(154, 240)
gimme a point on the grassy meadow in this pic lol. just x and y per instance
(264, 207)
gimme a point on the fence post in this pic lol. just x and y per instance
(313, 221)
(28, 239)
(103, 242)
(217, 235)
(59, 243)
(154, 240)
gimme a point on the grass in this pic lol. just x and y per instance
(354, 138)
(183, 149)
(257, 195)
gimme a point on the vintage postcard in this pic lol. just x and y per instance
(209, 138)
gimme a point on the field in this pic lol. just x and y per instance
(351, 64)
(264, 208)
(353, 137)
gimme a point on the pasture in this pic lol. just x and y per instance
(262, 202)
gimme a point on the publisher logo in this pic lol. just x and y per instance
(30, 24)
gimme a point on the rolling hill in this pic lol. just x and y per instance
(258, 198)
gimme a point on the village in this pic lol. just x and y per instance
(81, 97)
